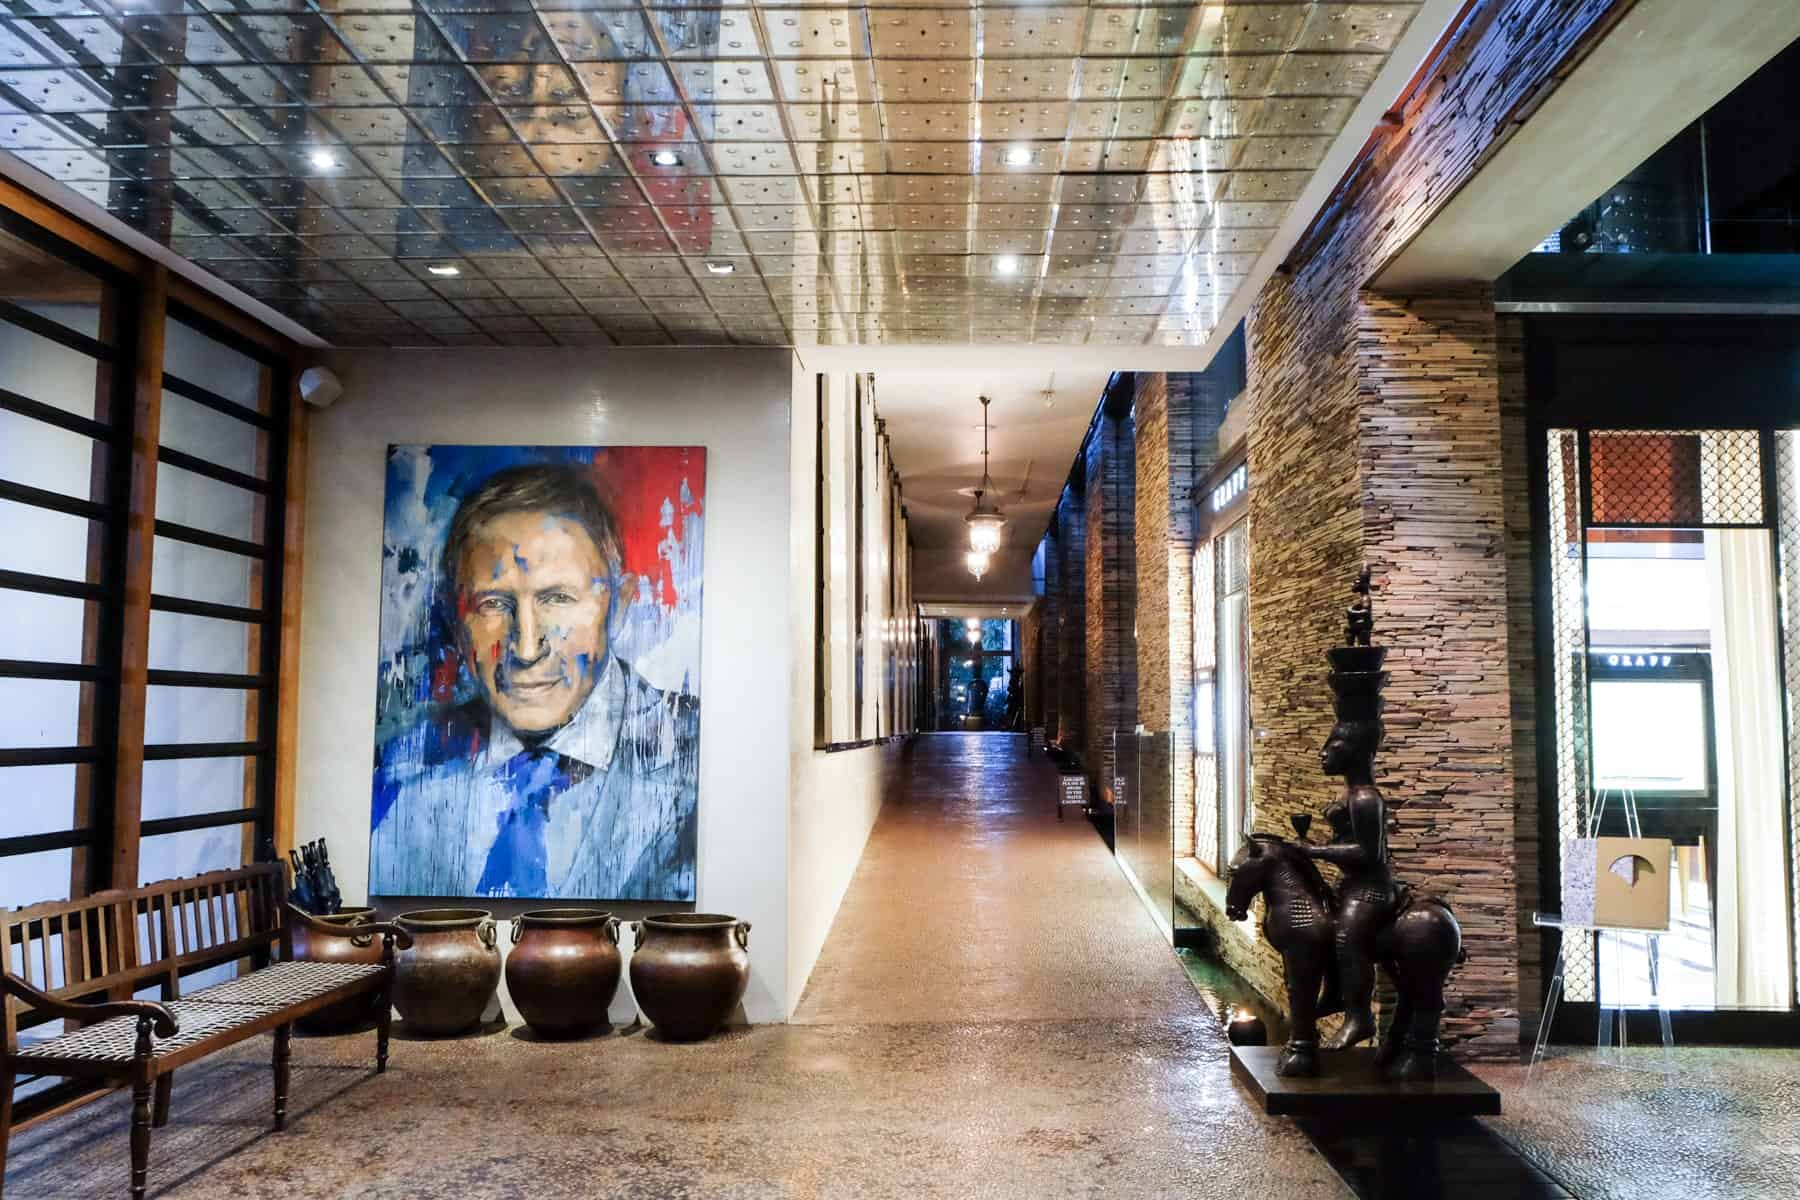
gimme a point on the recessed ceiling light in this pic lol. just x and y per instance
(666, 158)
(1007, 264)
(1017, 156)
(321, 160)
(445, 271)
(721, 268)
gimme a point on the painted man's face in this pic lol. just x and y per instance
(534, 594)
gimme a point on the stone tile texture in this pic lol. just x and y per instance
(1706, 1123)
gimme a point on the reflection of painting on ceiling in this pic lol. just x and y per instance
(652, 173)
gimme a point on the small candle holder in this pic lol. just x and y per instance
(1245, 1028)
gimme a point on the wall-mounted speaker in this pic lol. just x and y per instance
(319, 386)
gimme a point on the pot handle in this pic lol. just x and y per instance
(637, 934)
(742, 930)
(487, 933)
(518, 929)
(612, 929)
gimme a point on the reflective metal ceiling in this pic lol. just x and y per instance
(480, 171)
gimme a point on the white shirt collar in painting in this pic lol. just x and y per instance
(589, 737)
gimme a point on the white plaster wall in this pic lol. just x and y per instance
(733, 402)
(835, 797)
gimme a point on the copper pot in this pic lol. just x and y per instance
(317, 947)
(443, 983)
(564, 968)
(689, 971)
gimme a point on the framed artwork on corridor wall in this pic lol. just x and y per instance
(538, 692)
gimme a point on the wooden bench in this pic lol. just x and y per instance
(80, 961)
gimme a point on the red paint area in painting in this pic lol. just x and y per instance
(635, 481)
(443, 677)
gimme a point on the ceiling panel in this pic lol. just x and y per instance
(540, 171)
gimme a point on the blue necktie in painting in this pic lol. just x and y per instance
(516, 866)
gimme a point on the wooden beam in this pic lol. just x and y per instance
(293, 545)
(54, 220)
(85, 875)
(209, 306)
(140, 535)
(254, 709)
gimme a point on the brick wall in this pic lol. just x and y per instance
(1166, 465)
(1031, 665)
(1305, 546)
(1434, 531)
(1386, 429)
(1110, 585)
(1071, 631)
(1521, 663)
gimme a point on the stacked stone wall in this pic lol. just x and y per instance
(1387, 429)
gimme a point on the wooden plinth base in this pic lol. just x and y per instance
(1350, 1086)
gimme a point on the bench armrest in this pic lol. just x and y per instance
(162, 1019)
(299, 916)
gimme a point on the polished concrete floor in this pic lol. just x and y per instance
(974, 903)
(993, 1016)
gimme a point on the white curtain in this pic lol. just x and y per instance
(1750, 895)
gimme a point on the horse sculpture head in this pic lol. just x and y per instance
(1263, 862)
(1246, 878)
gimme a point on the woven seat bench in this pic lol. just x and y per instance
(73, 960)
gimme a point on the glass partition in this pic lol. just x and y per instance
(1142, 831)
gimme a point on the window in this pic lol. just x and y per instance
(89, 797)
(1222, 745)
(208, 779)
(1232, 700)
(65, 432)
(1670, 676)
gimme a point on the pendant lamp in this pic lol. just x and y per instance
(985, 520)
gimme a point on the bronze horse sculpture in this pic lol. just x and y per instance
(1332, 940)
(1417, 949)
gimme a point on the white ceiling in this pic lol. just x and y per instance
(934, 424)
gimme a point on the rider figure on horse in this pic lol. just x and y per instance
(1368, 895)
(1332, 943)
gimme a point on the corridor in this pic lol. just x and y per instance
(994, 1016)
(974, 903)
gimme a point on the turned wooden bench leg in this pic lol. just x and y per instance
(7, 1080)
(143, 1083)
(141, 1088)
(284, 1035)
(159, 1110)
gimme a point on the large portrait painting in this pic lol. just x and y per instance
(538, 712)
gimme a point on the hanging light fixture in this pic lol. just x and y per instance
(978, 563)
(985, 521)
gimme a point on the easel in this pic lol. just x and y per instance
(1612, 1017)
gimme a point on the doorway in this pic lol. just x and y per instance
(979, 685)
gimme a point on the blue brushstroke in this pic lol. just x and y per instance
(518, 863)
